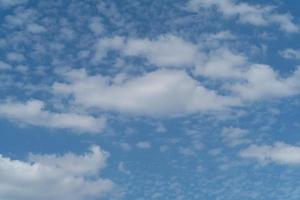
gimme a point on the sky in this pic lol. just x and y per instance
(149, 100)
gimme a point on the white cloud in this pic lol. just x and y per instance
(222, 35)
(261, 81)
(33, 113)
(234, 136)
(280, 153)
(290, 53)
(162, 92)
(248, 81)
(222, 64)
(51, 177)
(258, 15)
(164, 51)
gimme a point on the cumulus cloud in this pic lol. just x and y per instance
(222, 64)
(258, 15)
(290, 53)
(162, 92)
(32, 112)
(51, 177)
(248, 81)
(261, 81)
(164, 51)
(280, 153)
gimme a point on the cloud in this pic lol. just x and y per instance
(50, 177)
(10, 3)
(15, 57)
(143, 145)
(36, 28)
(290, 53)
(261, 81)
(258, 15)
(162, 92)
(95, 25)
(164, 51)
(222, 64)
(32, 112)
(245, 80)
(280, 153)
(104, 45)
(4, 66)
(234, 136)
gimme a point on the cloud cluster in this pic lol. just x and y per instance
(10, 3)
(290, 53)
(50, 177)
(32, 112)
(280, 153)
(162, 92)
(245, 13)
(164, 51)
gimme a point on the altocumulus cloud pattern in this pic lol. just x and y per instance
(149, 100)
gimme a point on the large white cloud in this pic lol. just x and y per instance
(248, 81)
(258, 15)
(32, 112)
(162, 92)
(51, 177)
(279, 153)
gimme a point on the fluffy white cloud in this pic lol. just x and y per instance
(222, 64)
(33, 113)
(279, 153)
(51, 177)
(290, 53)
(261, 81)
(257, 15)
(162, 92)
(164, 51)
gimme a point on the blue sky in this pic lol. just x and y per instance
(142, 100)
